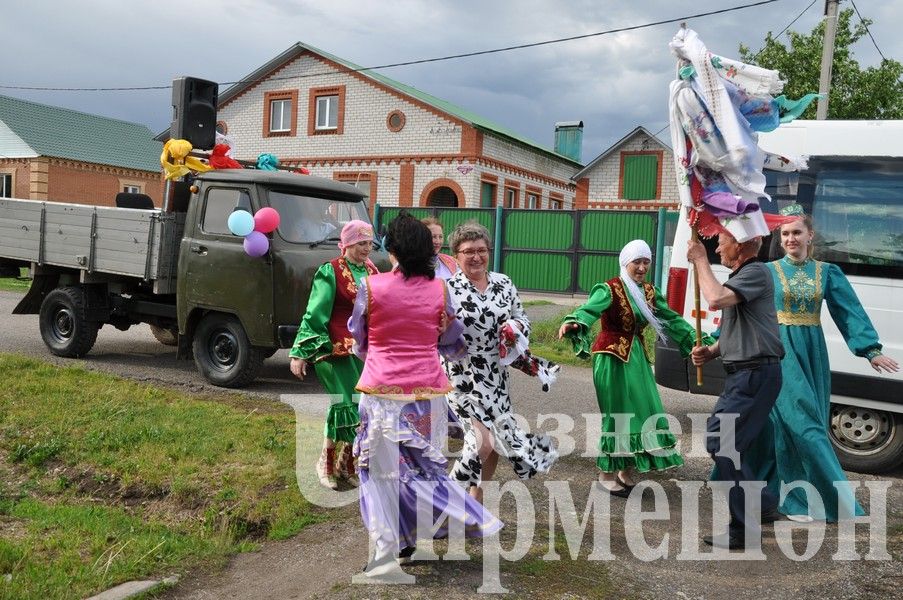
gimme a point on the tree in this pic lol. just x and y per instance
(855, 93)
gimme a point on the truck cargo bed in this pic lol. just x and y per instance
(94, 239)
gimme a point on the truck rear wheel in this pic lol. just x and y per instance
(166, 336)
(866, 440)
(64, 328)
(223, 353)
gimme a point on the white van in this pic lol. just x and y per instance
(853, 188)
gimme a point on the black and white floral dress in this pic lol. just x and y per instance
(480, 382)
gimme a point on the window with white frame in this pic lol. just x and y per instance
(531, 200)
(281, 115)
(510, 198)
(555, 204)
(6, 185)
(131, 189)
(327, 112)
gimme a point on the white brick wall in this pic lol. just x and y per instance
(366, 134)
(605, 177)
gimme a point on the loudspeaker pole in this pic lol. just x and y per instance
(827, 58)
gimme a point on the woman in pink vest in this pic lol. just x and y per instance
(324, 340)
(401, 322)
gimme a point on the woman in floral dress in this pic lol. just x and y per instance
(487, 303)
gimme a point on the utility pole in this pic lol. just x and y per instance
(827, 58)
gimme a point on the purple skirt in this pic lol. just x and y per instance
(403, 476)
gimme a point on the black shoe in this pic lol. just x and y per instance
(624, 484)
(404, 557)
(770, 516)
(730, 541)
(622, 493)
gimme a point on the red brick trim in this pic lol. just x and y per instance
(268, 97)
(471, 142)
(400, 115)
(406, 184)
(658, 183)
(581, 199)
(313, 94)
(223, 125)
(489, 178)
(437, 183)
(354, 176)
(633, 205)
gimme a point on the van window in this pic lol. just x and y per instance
(857, 210)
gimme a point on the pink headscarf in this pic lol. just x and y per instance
(355, 231)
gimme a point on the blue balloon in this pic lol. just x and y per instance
(241, 222)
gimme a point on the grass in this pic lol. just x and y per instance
(16, 284)
(544, 340)
(538, 303)
(104, 480)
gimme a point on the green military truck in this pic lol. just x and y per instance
(180, 270)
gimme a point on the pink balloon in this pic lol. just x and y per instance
(266, 220)
(256, 244)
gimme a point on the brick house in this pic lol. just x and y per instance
(636, 172)
(57, 154)
(403, 146)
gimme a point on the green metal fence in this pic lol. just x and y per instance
(552, 250)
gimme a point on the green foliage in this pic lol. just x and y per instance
(855, 93)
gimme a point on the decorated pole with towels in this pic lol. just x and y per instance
(717, 106)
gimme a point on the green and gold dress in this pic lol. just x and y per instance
(622, 355)
(801, 414)
(323, 339)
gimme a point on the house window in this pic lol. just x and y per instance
(640, 175)
(555, 204)
(6, 185)
(510, 198)
(131, 189)
(364, 181)
(395, 121)
(280, 116)
(531, 200)
(487, 195)
(326, 110)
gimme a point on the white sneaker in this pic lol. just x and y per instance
(800, 518)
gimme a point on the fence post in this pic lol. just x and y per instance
(377, 213)
(497, 247)
(659, 247)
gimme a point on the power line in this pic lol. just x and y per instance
(867, 30)
(756, 55)
(414, 62)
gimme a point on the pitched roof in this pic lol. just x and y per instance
(639, 129)
(447, 107)
(63, 133)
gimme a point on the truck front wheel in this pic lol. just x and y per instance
(223, 353)
(64, 328)
(866, 440)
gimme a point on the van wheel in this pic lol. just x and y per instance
(222, 352)
(866, 440)
(64, 329)
(168, 336)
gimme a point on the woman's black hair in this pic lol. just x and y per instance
(411, 242)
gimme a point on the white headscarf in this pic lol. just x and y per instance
(629, 253)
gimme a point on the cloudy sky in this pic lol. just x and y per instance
(612, 82)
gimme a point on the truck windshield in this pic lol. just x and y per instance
(305, 219)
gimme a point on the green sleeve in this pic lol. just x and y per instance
(313, 340)
(585, 316)
(676, 327)
(849, 316)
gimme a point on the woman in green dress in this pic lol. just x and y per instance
(801, 413)
(323, 339)
(622, 373)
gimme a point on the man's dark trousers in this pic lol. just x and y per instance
(749, 393)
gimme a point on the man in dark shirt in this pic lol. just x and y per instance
(751, 349)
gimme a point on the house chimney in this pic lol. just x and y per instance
(569, 139)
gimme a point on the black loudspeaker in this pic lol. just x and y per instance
(194, 111)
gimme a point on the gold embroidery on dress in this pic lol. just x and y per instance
(802, 296)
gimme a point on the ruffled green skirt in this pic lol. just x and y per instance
(628, 397)
(339, 376)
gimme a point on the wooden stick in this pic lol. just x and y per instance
(698, 307)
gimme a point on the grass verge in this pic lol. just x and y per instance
(104, 480)
(16, 284)
(544, 340)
